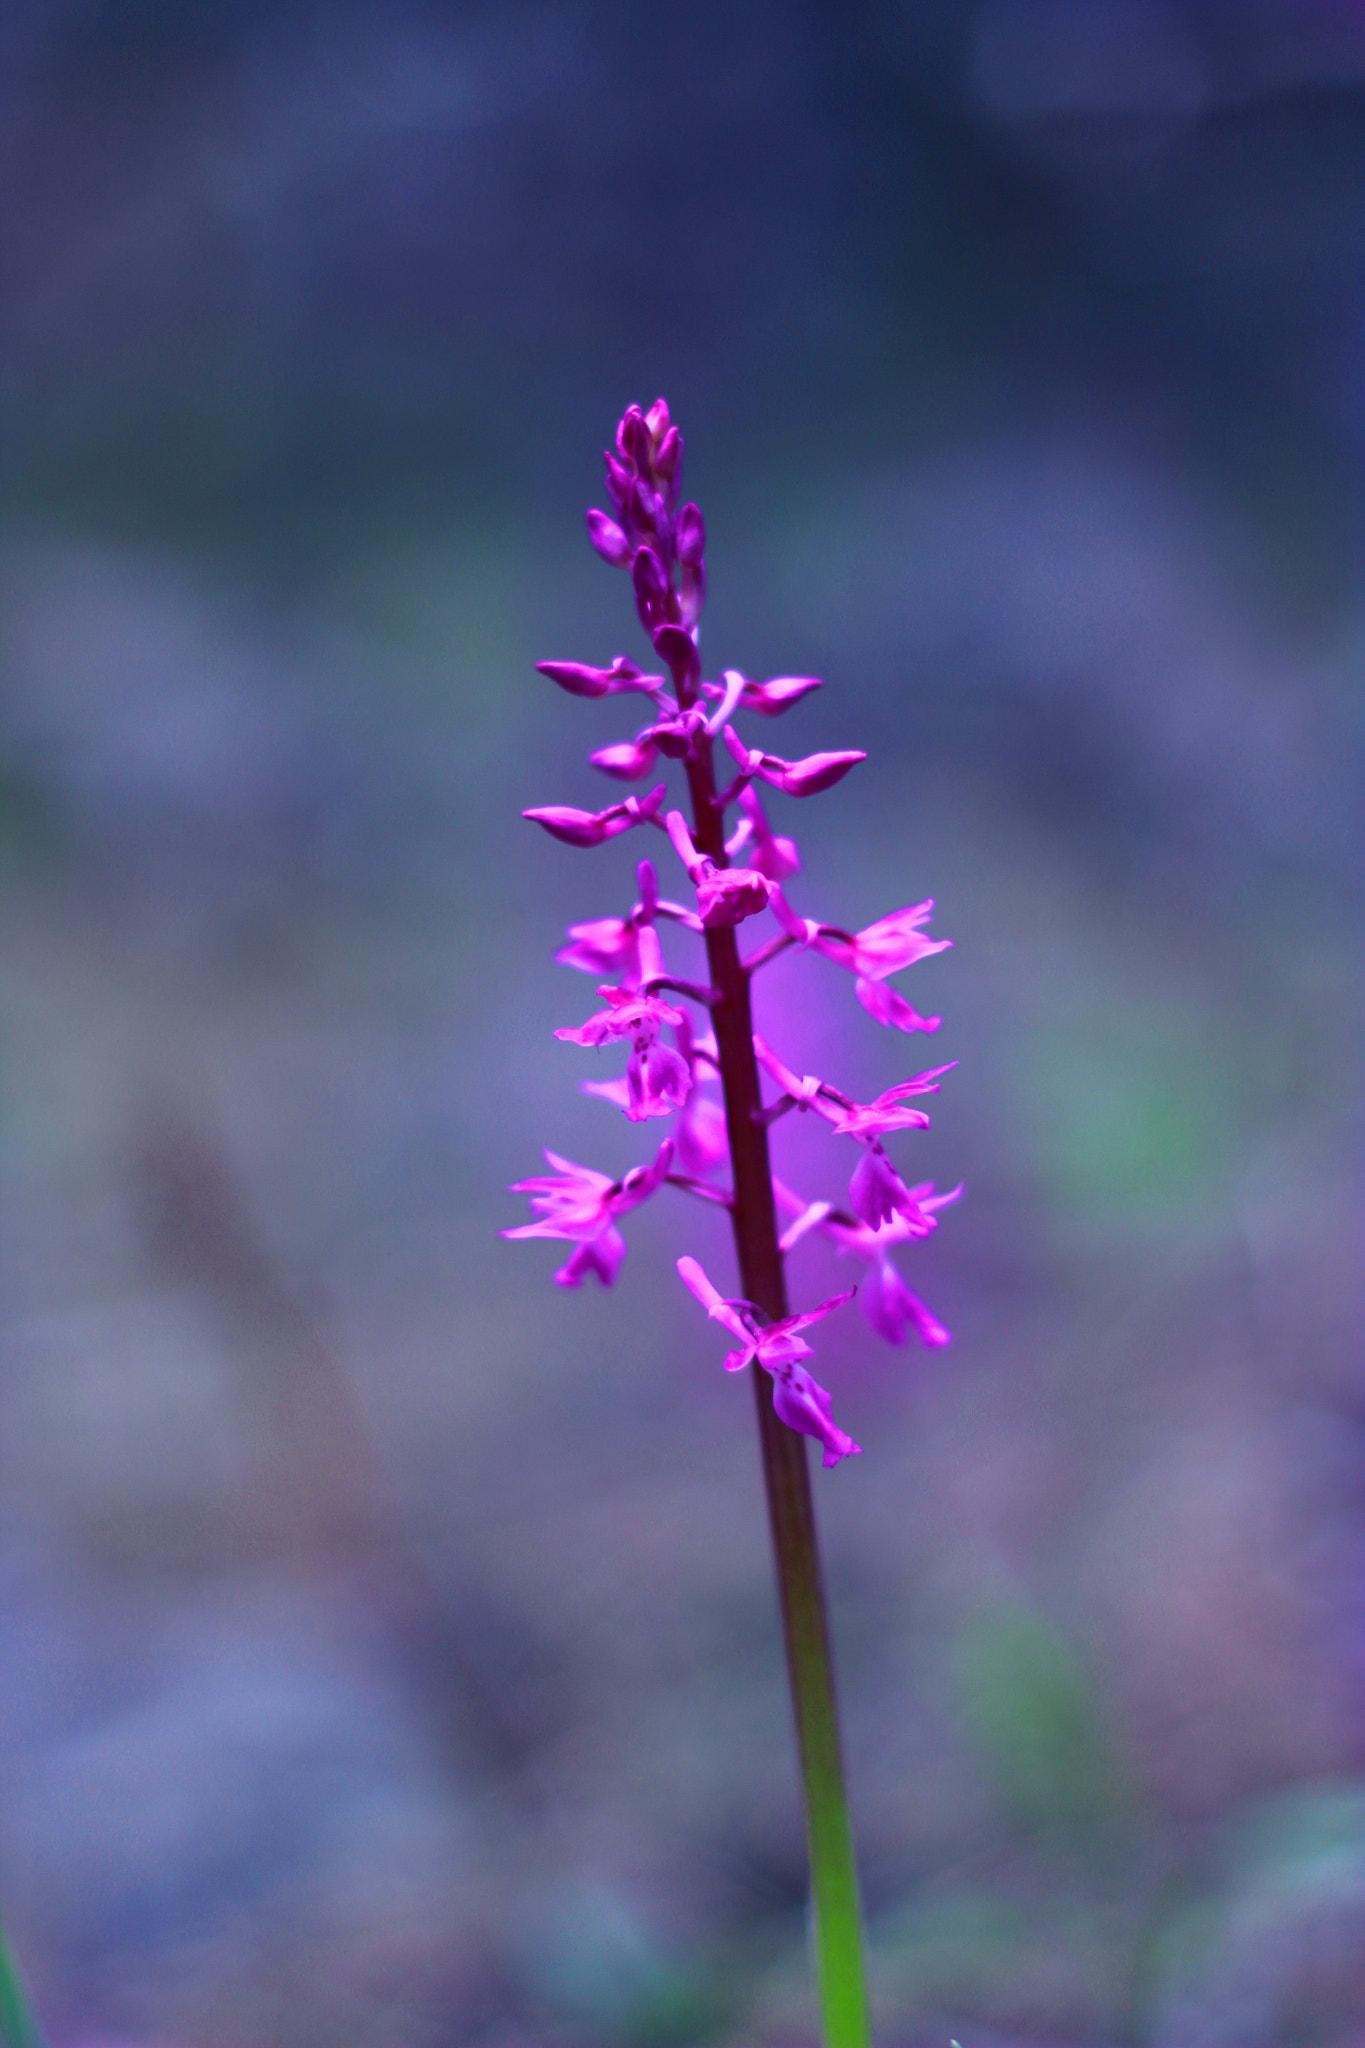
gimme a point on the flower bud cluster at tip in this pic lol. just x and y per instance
(662, 544)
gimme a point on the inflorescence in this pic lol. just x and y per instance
(674, 1067)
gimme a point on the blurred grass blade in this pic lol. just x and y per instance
(18, 2026)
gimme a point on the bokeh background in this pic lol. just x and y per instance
(389, 1652)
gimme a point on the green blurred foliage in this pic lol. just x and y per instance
(1031, 1710)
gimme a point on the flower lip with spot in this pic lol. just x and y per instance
(658, 1078)
(877, 1194)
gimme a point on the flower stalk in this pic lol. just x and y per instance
(836, 1917)
(663, 547)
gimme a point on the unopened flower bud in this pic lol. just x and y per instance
(619, 482)
(689, 535)
(651, 587)
(668, 458)
(628, 761)
(632, 440)
(677, 649)
(608, 539)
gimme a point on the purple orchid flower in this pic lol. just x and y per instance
(716, 1055)
(768, 698)
(892, 1308)
(846, 1117)
(889, 1112)
(590, 828)
(800, 1401)
(725, 896)
(878, 950)
(582, 1205)
(582, 680)
(662, 545)
(798, 778)
(658, 1079)
(877, 1193)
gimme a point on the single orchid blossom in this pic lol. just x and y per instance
(889, 1112)
(582, 1205)
(590, 828)
(658, 1078)
(798, 778)
(581, 680)
(769, 698)
(725, 896)
(778, 1347)
(627, 948)
(606, 945)
(880, 949)
(892, 1308)
(846, 1117)
(885, 947)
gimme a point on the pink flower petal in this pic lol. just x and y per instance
(887, 1007)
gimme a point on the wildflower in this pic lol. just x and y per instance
(724, 895)
(871, 955)
(658, 1079)
(885, 947)
(800, 1401)
(581, 680)
(877, 1192)
(889, 1112)
(769, 698)
(798, 778)
(892, 1308)
(582, 1205)
(590, 828)
(846, 1117)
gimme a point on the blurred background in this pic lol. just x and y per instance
(389, 1649)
